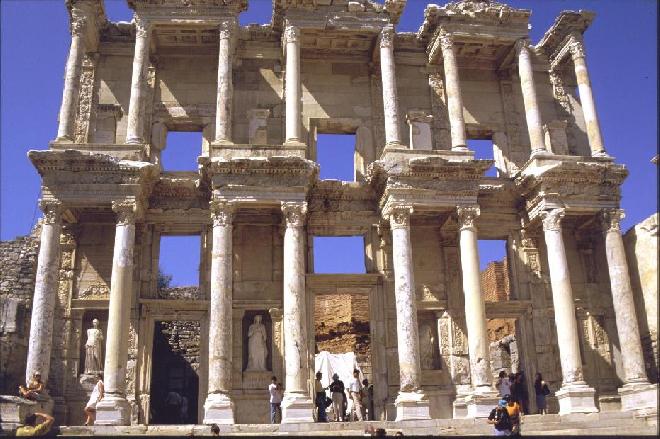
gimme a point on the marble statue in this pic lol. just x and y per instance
(94, 349)
(257, 348)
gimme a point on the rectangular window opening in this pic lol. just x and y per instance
(178, 262)
(484, 150)
(335, 154)
(494, 267)
(339, 254)
(181, 150)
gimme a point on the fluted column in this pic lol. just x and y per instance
(586, 97)
(45, 292)
(411, 403)
(292, 91)
(114, 409)
(223, 119)
(532, 113)
(636, 393)
(134, 130)
(575, 395)
(453, 88)
(388, 78)
(67, 120)
(219, 408)
(297, 406)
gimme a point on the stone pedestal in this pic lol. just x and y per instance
(14, 410)
(639, 397)
(297, 407)
(218, 409)
(412, 405)
(576, 398)
(479, 404)
(113, 410)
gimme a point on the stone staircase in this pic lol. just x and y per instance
(607, 424)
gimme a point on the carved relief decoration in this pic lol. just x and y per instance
(126, 212)
(400, 217)
(291, 34)
(221, 213)
(552, 219)
(611, 220)
(87, 98)
(467, 215)
(52, 211)
(387, 37)
(294, 213)
(559, 91)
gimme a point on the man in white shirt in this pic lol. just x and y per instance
(355, 389)
(275, 391)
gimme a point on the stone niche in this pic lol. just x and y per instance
(88, 316)
(257, 379)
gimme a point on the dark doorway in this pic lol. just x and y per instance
(174, 372)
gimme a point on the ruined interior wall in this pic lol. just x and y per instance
(93, 263)
(114, 78)
(258, 262)
(428, 272)
(413, 93)
(641, 243)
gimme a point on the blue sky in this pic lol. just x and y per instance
(621, 54)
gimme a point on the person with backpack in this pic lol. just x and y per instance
(515, 414)
(499, 418)
(542, 390)
(337, 392)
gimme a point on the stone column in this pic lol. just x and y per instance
(292, 91)
(586, 97)
(297, 405)
(114, 409)
(411, 402)
(68, 110)
(574, 396)
(45, 292)
(223, 118)
(636, 393)
(388, 78)
(134, 130)
(532, 113)
(482, 398)
(219, 408)
(453, 88)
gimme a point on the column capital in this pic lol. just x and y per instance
(222, 213)
(142, 26)
(522, 45)
(446, 39)
(576, 46)
(52, 210)
(227, 28)
(611, 220)
(399, 216)
(126, 210)
(275, 314)
(467, 215)
(78, 23)
(552, 219)
(291, 34)
(294, 213)
(387, 37)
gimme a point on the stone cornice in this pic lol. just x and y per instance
(555, 38)
(77, 161)
(193, 6)
(270, 165)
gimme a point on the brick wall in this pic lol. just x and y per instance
(495, 281)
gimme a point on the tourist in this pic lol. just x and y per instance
(503, 386)
(275, 391)
(337, 395)
(499, 418)
(35, 389)
(522, 397)
(380, 432)
(319, 391)
(512, 385)
(367, 400)
(541, 390)
(31, 428)
(215, 430)
(96, 396)
(355, 389)
(515, 414)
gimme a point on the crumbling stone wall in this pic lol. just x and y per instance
(18, 267)
(495, 281)
(183, 337)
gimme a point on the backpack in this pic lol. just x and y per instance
(501, 417)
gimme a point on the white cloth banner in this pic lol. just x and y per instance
(341, 364)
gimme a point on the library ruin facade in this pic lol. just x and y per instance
(261, 95)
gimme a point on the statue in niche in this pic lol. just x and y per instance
(427, 346)
(257, 348)
(94, 349)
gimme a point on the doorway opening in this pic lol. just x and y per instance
(175, 372)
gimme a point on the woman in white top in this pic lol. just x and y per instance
(95, 397)
(503, 385)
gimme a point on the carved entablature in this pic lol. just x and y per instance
(174, 192)
(201, 9)
(87, 19)
(567, 29)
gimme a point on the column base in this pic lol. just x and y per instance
(297, 407)
(64, 139)
(113, 410)
(602, 154)
(460, 148)
(481, 402)
(218, 409)
(294, 143)
(411, 406)
(576, 398)
(222, 142)
(639, 396)
(134, 141)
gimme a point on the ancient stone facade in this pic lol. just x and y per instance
(260, 95)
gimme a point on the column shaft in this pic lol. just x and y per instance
(388, 78)
(562, 299)
(622, 300)
(66, 127)
(293, 104)
(224, 97)
(587, 98)
(532, 113)
(410, 373)
(475, 306)
(134, 130)
(453, 88)
(45, 292)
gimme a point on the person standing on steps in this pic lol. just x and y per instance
(319, 400)
(355, 388)
(337, 392)
(503, 384)
(541, 390)
(499, 419)
(275, 391)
